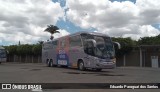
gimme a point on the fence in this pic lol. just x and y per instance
(24, 59)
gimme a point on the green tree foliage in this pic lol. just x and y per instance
(12, 49)
(127, 45)
(52, 30)
(24, 49)
(149, 40)
(37, 49)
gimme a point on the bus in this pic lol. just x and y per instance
(3, 55)
(82, 50)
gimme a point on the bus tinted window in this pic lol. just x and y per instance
(50, 45)
(75, 41)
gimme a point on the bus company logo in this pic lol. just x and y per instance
(6, 86)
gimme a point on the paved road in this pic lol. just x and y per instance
(39, 73)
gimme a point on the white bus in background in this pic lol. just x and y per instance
(3, 55)
(81, 50)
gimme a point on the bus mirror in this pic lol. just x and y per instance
(117, 45)
(7, 52)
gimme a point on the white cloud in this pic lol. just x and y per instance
(63, 33)
(124, 19)
(143, 31)
(25, 20)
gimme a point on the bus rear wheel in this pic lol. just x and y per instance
(51, 63)
(81, 65)
(48, 63)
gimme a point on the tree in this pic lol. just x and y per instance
(52, 30)
(37, 49)
(12, 49)
(127, 45)
(155, 40)
(24, 49)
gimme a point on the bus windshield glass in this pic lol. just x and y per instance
(104, 46)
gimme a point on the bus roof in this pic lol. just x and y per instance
(81, 32)
(92, 33)
(78, 33)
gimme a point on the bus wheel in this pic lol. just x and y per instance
(51, 63)
(0, 62)
(48, 63)
(81, 65)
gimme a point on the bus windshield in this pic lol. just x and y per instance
(104, 46)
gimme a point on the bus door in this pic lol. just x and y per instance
(62, 52)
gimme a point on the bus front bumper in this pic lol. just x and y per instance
(3, 59)
(106, 65)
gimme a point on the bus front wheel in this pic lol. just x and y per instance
(81, 65)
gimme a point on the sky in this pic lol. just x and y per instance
(26, 20)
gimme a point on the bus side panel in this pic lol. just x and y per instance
(53, 55)
(48, 52)
(75, 53)
(43, 56)
(62, 52)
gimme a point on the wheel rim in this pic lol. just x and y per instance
(51, 63)
(81, 66)
(48, 63)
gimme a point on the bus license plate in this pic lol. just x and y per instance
(62, 62)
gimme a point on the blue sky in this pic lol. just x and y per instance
(25, 20)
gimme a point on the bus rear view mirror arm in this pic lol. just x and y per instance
(117, 44)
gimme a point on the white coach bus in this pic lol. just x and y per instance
(3, 55)
(80, 50)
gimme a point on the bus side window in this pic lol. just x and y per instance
(75, 41)
(89, 48)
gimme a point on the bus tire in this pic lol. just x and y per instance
(0, 62)
(81, 65)
(48, 62)
(51, 63)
